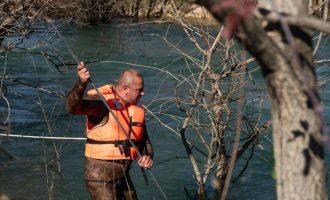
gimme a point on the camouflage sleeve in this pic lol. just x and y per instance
(75, 97)
(76, 104)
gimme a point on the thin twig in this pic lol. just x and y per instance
(236, 144)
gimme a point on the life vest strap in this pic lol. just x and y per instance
(116, 142)
(139, 124)
(124, 146)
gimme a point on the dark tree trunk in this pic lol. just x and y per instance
(150, 7)
(137, 8)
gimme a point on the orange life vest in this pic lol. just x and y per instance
(108, 141)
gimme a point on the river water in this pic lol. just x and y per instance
(53, 169)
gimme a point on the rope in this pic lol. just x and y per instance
(40, 137)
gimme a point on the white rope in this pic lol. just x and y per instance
(41, 137)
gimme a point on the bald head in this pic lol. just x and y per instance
(130, 86)
(128, 77)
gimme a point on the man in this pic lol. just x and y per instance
(109, 150)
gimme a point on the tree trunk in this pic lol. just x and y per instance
(286, 59)
(297, 124)
(137, 8)
(297, 130)
(150, 7)
(222, 168)
(297, 140)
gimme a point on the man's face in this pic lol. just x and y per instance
(135, 90)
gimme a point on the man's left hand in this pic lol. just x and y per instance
(145, 161)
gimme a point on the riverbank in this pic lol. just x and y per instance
(94, 11)
(194, 12)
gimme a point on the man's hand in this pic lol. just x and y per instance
(145, 161)
(83, 72)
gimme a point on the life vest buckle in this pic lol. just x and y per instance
(124, 147)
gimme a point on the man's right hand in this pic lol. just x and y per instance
(83, 72)
(145, 161)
